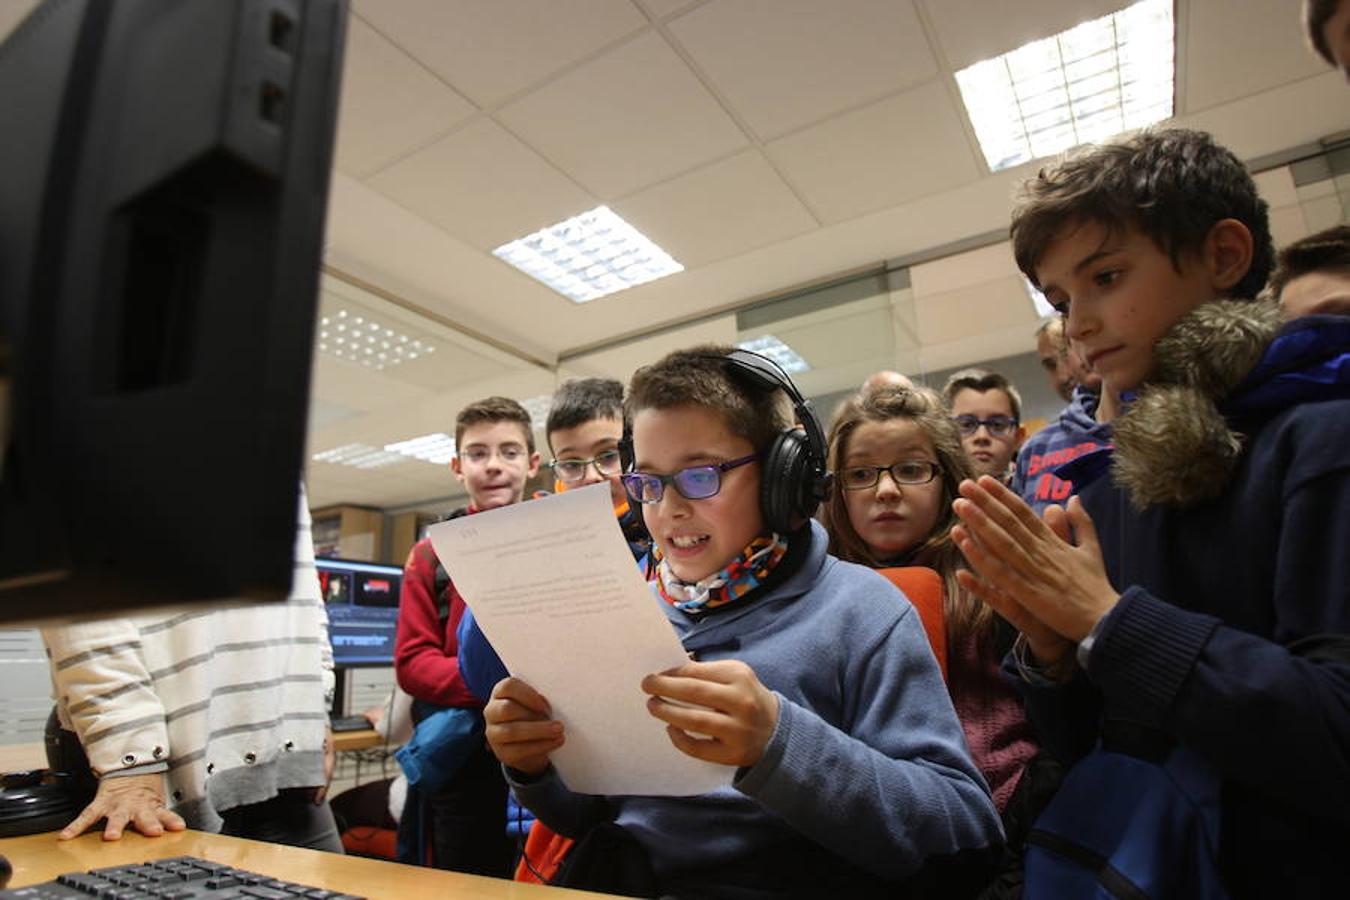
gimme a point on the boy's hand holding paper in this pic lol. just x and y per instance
(553, 585)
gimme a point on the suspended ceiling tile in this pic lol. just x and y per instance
(1276, 186)
(323, 413)
(783, 64)
(1299, 112)
(12, 12)
(997, 304)
(1288, 224)
(354, 386)
(972, 30)
(963, 269)
(718, 211)
(391, 105)
(622, 360)
(626, 120)
(661, 9)
(976, 348)
(491, 50)
(483, 186)
(880, 156)
(1234, 52)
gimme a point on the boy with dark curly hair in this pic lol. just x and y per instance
(1184, 622)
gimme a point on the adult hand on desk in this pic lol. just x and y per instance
(134, 800)
(519, 728)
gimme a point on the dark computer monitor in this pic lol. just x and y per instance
(163, 184)
(362, 603)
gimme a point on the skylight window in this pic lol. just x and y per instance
(770, 346)
(1076, 87)
(360, 338)
(589, 256)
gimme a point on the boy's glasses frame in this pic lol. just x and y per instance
(861, 478)
(606, 462)
(998, 426)
(509, 453)
(693, 483)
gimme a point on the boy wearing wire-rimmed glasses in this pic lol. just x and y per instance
(810, 675)
(988, 411)
(461, 825)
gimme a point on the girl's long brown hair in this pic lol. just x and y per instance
(964, 614)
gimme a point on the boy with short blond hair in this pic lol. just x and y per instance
(463, 825)
(810, 675)
(1184, 622)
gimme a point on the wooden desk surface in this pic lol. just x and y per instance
(41, 857)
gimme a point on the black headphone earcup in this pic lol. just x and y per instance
(784, 482)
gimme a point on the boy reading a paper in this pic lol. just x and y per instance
(808, 674)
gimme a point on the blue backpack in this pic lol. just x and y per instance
(1124, 827)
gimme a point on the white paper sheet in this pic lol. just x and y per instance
(554, 587)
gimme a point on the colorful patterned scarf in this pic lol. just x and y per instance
(738, 578)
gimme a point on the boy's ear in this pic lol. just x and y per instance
(1228, 253)
(1021, 437)
(454, 467)
(534, 464)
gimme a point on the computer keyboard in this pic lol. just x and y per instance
(349, 723)
(179, 878)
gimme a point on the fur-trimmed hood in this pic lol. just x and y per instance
(1226, 365)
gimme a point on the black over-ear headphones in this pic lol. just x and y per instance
(794, 480)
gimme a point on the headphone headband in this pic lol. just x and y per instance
(794, 479)
(766, 374)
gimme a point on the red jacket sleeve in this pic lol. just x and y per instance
(425, 648)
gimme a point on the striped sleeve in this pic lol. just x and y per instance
(100, 679)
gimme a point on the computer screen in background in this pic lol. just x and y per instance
(362, 603)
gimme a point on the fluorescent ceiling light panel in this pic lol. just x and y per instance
(359, 456)
(779, 352)
(360, 338)
(1080, 86)
(589, 256)
(438, 448)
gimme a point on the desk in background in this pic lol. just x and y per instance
(364, 739)
(41, 857)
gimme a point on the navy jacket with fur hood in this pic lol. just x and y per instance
(1226, 524)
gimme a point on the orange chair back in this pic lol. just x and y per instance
(923, 587)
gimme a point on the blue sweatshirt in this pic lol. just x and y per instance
(1075, 433)
(866, 775)
(1231, 634)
